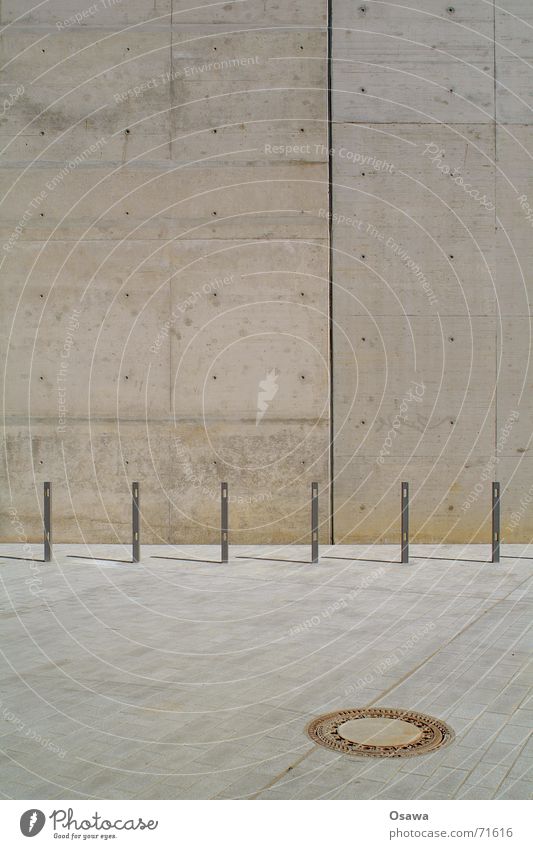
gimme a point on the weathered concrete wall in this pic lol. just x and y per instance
(164, 248)
(432, 267)
(161, 255)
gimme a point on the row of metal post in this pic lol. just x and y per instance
(495, 516)
(224, 522)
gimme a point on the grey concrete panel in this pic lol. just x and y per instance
(514, 55)
(413, 63)
(368, 500)
(413, 225)
(92, 466)
(269, 468)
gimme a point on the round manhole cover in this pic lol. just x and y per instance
(380, 732)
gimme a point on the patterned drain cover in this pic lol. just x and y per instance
(380, 732)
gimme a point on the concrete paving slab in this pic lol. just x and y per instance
(160, 678)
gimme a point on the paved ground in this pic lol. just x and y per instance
(182, 679)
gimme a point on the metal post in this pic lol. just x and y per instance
(314, 522)
(47, 517)
(405, 522)
(135, 525)
(224, 533)
(495, 522)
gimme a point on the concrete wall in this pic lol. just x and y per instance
(432, 266)
(164, 249)
(155, 281)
